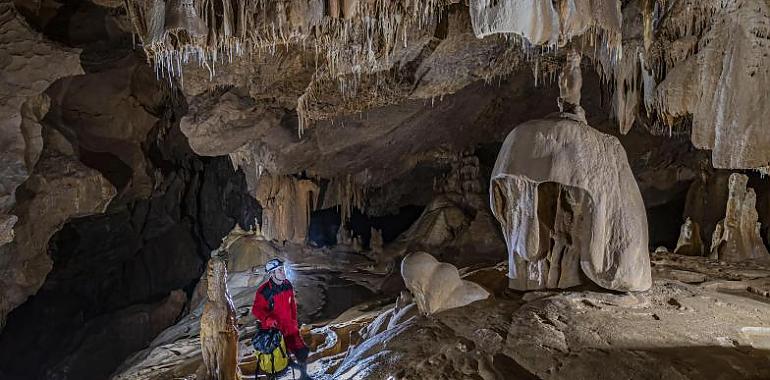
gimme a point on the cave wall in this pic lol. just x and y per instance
(114, 216)
(112, 270)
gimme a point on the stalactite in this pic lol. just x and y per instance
(376, 244)
(648, 7)
(550, 24)
(353, 37)
(334, 8)
(349, 8)
(352, 33)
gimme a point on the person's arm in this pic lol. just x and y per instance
(262, 313)
(293, 305)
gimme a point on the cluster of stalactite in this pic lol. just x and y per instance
(350, 34)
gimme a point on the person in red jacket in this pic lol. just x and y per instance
(275, 306)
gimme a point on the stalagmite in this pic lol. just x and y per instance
(375, 242)
(219, 331)
(568, 203)
(689, 242)
(437, 286)
(343, 236)
(737, 236)
(570, 84)
(706, 199)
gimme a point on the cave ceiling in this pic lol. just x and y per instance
(281, 84)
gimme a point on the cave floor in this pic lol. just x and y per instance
(701, 320)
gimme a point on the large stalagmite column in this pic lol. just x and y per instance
(737, 236)
(219, 331)
(568, 204)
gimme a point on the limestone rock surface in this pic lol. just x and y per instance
(25, 57)
(112, 112)
(60, 188)
(668, 332)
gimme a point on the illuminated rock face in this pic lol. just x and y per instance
(437, 286)
(569, 207)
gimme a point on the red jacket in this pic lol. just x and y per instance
(275, 306)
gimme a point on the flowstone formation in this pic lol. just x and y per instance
(286, 205)
(568, 203)
(717, 70)
(219, 331)
(737, 236)
(437, 286)
(547, 23)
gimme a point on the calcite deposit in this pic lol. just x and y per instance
(737, 237)
(219, 332)
(568, 203)
(437, 286)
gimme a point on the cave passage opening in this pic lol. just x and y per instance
(325, 223)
